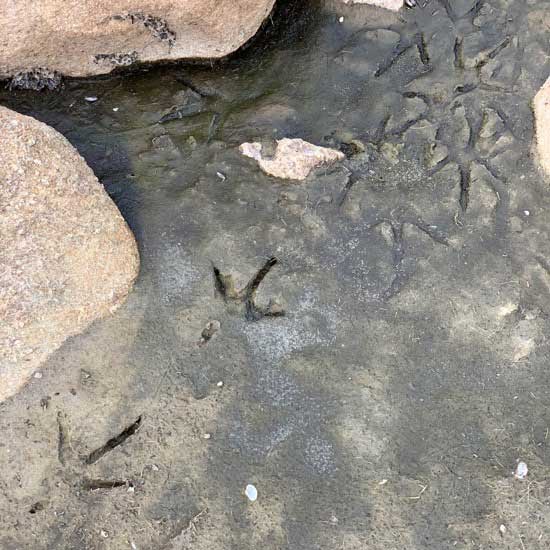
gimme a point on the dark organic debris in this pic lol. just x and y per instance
(36, 507)
(157, 26)
(253, 312)
(61, 439)
(209, 331)
(465, 182)
(224, 285)
(36, 79)
(352, 148)
(255, 282)
(94, 484)
(114, 442)
(117, 59)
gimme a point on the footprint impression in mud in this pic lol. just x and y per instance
(438, 130)
(76, 466)
(273, 335)
(225, 286)
(443, 127)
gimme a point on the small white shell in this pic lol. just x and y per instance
(521, 471)
(251, 492)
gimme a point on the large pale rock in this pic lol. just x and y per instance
(294, 158)
(88, 37)
(542, 120)
(393, 5)
(67, 256)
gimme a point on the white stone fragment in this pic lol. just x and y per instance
(251, 492)
(393, 5)
(521, 471)
(294, 158)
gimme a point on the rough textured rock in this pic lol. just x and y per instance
(388, 4)
(67, 256)
(294, 158)
(87, 38)
(542, 117)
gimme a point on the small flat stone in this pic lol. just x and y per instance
(521, 471)
(294, 158)
(251, 492)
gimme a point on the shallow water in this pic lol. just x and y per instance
(394, 360)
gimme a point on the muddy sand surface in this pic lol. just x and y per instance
(388, 407)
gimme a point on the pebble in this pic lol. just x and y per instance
(221, 176)
(220, 384)
(341, 19)
(251, 492)
(90, 98)
(38, 375)
(115, 109)
(502, 529)
(210, 330)
(521, 471)
(207, 436)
